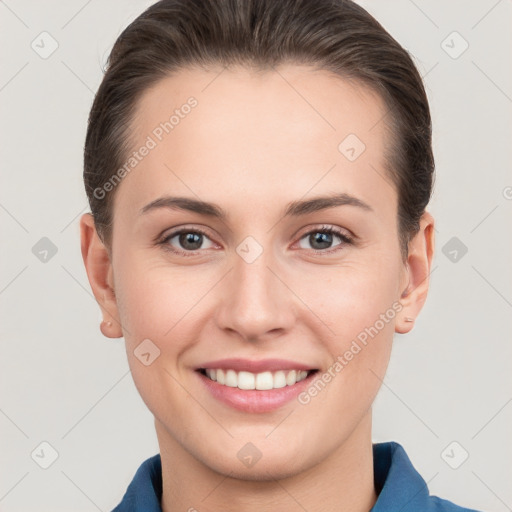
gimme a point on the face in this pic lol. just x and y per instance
(268, 286)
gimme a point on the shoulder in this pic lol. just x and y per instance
(145, 489)
(401, 487)
(440, 505)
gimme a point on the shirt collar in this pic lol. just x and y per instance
(398, 485)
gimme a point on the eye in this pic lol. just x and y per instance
(188, 240)
(322, 238)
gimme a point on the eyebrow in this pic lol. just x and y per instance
(294, 209)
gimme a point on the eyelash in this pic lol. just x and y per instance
(325, 229)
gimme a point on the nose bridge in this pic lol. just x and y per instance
(255, 300)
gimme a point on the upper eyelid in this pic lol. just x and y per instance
(198, 227)
(327, 227)
(171, 232)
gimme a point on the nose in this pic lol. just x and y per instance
(255, 301)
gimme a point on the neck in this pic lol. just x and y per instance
(342, 482)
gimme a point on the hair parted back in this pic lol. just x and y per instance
(334, 35)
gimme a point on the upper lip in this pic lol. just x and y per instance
(248, 365)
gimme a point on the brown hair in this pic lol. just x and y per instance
(333, 35)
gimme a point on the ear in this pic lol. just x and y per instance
(417, 274)
(100, 273)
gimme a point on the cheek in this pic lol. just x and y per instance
(156, 301)
(156, 309)
(352, 298)
(360, 306)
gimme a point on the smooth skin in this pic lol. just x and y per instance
(254, 143)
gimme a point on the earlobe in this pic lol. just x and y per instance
(418, 269)
(99, 272)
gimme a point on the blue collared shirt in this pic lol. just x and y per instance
(399, 486)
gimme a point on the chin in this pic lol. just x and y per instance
(255, 458)
(273, 468)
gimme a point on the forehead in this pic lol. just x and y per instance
(277, 134)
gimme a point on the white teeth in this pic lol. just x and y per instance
(246, 380)
(291, 378)
(260, 381)
(231, 379)
(279, 379)
(264, 380)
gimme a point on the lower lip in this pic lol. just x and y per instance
(253, 400)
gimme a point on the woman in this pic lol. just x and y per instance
(258, 174)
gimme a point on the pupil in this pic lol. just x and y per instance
(187, 240)
(324, 239)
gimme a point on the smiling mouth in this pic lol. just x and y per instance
(259, 381)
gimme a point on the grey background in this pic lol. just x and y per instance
(63, 383)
